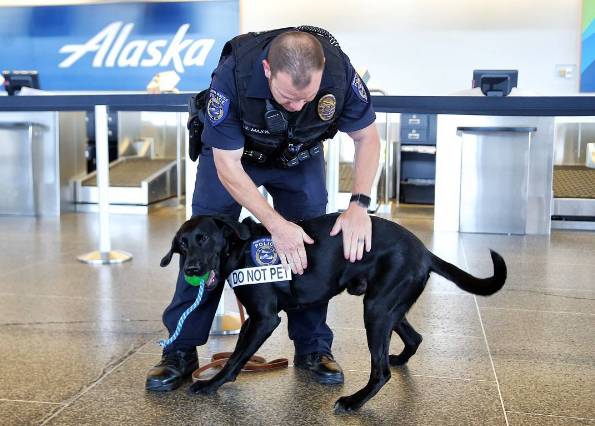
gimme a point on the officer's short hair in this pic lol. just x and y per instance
(298, 54)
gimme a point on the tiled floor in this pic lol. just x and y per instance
(77, 340)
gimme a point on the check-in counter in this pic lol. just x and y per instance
(29, 176)
(45, 155)
(494, 174)
(521, 160)
(495, 167)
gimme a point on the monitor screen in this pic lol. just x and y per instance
(495, 82)
(15, 80)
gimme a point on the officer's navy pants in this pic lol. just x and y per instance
(298, 193)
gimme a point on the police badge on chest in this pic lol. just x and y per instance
(327, 105)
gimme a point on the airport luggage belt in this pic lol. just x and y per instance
(574, 182)
(345, 176)
(130, 172)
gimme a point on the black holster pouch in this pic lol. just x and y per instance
(196, 123)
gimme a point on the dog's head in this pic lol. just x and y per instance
(203, 242)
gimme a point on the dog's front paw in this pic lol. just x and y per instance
(202, 387)
(345, 405)
(397, 360)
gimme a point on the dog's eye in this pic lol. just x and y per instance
(183, 244)
(203, 239)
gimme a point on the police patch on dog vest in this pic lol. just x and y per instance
(262, 252)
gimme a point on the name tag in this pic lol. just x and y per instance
(259, 275)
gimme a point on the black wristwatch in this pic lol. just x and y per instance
(362, 200)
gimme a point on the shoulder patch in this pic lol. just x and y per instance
(263, 252)
(217, 107)
(358, 88)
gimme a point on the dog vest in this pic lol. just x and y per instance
(261, 265)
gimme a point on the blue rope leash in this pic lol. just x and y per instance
(187, 312)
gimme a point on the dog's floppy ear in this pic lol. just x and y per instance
(254, 226)
(240, 230)
(248, 221)
(174, 249)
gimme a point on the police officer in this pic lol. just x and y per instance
(274, 97)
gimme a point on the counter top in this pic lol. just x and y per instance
(21, 125)
(460, 105)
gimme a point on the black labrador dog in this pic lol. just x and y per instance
(390, 277)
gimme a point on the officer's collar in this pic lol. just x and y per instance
(258, 86)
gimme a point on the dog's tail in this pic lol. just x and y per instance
(467, 282)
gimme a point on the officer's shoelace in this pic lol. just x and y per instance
(173, 359)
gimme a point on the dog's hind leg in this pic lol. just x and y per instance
(378, 331)
(254, 333)
(410, 338)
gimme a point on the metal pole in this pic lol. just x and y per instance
(105, 255)
(102, 156)
(332, 173)
(189, 176)
(32, 174)
(225, 323)
(179, 153)
(384, 206)
(387, 163)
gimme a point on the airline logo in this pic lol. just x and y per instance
(112, 47)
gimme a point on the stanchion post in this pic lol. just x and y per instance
(384, 207)
(332, 173)
(225, 323)
(105, 255)
(179, 157)
(102, 168)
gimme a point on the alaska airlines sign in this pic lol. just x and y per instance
(112, 48)
(84, 48)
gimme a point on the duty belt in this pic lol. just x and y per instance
(286, 159)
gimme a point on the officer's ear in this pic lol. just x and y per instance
(174, 249)
(267, 69)
(232, 227)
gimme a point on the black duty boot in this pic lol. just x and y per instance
(323, 367)
(174, 367)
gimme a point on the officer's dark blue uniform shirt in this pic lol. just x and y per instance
(226, 131)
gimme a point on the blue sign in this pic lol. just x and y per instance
(117, 46)
(588, 47)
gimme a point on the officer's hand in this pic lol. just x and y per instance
(356, 226)
(289, 240)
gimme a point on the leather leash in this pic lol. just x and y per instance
(255, 363)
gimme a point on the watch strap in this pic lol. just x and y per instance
(361, 199)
